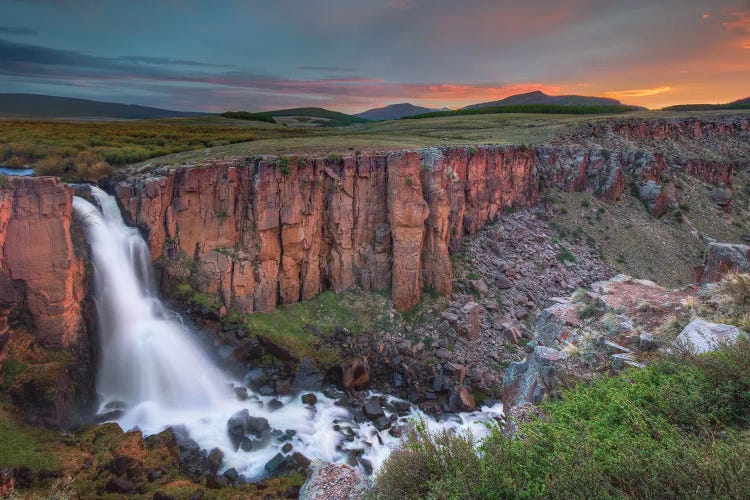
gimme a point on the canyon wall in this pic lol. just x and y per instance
(270, 231)
(265, 231)
(42, 282)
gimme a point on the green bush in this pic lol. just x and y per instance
(675, 429)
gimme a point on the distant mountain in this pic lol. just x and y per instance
(46, 106)
(333, 118)
(538, 97)
(738, 104)
(394, 112)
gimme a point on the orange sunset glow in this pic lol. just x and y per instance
(351, 56)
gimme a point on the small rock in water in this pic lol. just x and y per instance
(241, 393)
(373, 410)
(275, 404)
(309, 399)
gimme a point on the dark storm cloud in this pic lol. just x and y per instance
(332, 69)
(165, 61)
(10, 30)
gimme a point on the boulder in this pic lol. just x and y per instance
(357, 373)
(242, 424)
(531, 381)
(722, 258)
(307, 378)
(191, 457)
(555, 324)
(468, 326)
(653, 197)
(722, 197)
(309, 399)
(328, 481)
(119, 485)
(621, 361)
(372, 409)
(701, 336)
(461, 400)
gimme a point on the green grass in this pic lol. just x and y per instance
(288, 325)
(78, 151)
(676, 429)
(333, 118)
(23, 445)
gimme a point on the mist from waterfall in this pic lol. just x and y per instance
(153, 371)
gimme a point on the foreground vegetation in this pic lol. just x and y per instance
(679, 428)
(676, 429)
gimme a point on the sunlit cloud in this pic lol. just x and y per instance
(706, 16)
(741, 20)
(746, 45)
(639, 92)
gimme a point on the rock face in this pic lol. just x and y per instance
(279, 230)
(41, 278)
(701, 336)
(42, 290)
(722, 258)
(258, 232)
(529, 381)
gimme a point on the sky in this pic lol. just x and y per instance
(351, 55)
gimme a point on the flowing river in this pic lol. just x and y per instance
(154, 373)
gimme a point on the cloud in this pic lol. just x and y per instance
(10, 30)
(740, 21)
(166, 61)
(639, 92)
(746, 45)
(706, 16)
(332, 69)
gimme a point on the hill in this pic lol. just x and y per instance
(545, 109)
(46, 106)
(738, 104)
(538, 97)
(325, 117)
(394, 112)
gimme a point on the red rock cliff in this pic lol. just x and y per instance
(270, 231)
(279, 230)
(41, 279)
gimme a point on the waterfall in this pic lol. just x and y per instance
(152, 370)
(146, 356)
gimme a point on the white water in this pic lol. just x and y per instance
(151, 368)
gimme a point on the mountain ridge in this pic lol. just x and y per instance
(539, 97)
(47, 106)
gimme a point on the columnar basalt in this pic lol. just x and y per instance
(266, 231)
(271, 231)
(41, 278)
(43, 282)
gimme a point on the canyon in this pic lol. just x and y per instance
(248, 235)
(265, 231)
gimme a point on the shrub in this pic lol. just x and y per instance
(565, 256)
(670, 430)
